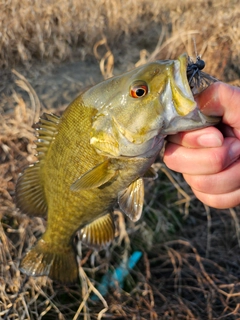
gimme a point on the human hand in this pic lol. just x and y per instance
(209, 158)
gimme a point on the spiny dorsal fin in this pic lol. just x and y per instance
(131, 200)
(46, 130)
(150, 174)
(30, 197)
(95, 177)
(100, 232)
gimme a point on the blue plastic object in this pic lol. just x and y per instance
(118, 275)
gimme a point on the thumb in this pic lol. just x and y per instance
(221, 99)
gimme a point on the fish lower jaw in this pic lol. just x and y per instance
(194, 120)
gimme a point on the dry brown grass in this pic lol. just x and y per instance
(57, 30)
(53, 29)
(190, 264)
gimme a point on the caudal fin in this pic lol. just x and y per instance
(42, 260)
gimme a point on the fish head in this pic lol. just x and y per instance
(136, 110)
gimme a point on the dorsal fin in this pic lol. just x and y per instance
(46, 130)
(30, 197)
(100, 232)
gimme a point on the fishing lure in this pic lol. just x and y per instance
(198, 80)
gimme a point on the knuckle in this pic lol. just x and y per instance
(201, 183)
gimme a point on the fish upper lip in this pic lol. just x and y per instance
(181, 78)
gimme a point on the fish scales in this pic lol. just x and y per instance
(83, 157)
(96, 155)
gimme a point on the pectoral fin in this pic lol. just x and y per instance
(94, 178)
(100, 232)
(131, 200)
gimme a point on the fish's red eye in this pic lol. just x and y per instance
(138, 90)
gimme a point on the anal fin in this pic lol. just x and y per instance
(100, 232)
(30, 196)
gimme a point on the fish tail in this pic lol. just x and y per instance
(42, 260)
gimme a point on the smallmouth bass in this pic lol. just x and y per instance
(96, 155)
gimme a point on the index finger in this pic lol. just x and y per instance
(221, 99)
(209, 137)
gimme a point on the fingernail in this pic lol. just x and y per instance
(209, 141)
(234, 150)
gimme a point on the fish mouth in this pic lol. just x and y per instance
(184, 63)
(181, 111)
(182, 96)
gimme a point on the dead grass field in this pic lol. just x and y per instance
(191, 253)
